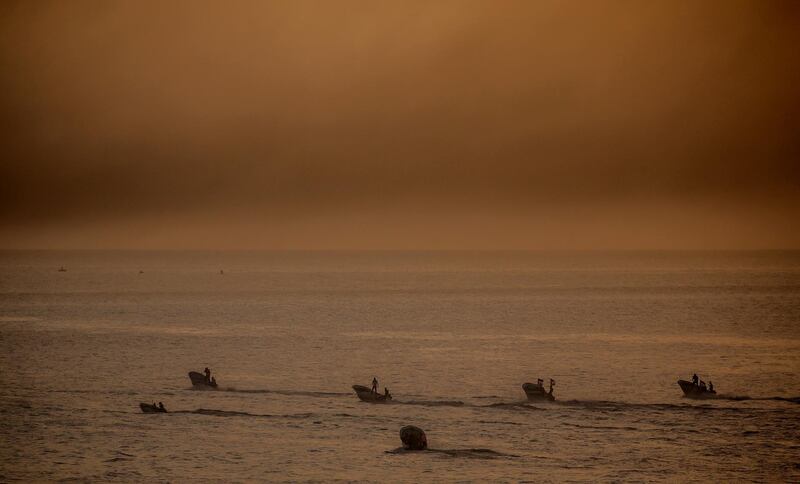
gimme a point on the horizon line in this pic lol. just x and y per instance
(551, 250)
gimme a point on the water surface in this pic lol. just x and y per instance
(452, 334)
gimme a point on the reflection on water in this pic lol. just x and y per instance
(452, 335)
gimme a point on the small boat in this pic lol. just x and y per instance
(690, 390)
(535, 392)
(62, 269)
(365, 394)
(152, 408)
(199, 381)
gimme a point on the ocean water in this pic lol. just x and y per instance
(453, 335)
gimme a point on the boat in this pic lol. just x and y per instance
(535, 392)
(690, 390)
(365, 394)
(199, 381)
(152, 408)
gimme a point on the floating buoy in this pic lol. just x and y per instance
(413, 438)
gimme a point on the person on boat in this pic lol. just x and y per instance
(161, 407)
(208, 375)
(695, 379)
(213, 381)
(710, 386)
(540, 383)
(702, 384)
(375, 384)
(386, 393)
(552, 384)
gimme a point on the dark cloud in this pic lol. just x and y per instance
(385, 124)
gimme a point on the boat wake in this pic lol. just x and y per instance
(432, 403)
(611, 406)
(697, 406)
(466, 453)
(524, 406)
(740, 398)
(232, 413)
(302, 393)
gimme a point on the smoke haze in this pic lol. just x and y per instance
(400, 125)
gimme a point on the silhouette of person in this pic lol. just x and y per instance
(208, 375)
(386, 393)
(710, 386)
(552, 384)
(375, 384)
(540, 383)
(695, 379)
(213, 381)
(161, 407)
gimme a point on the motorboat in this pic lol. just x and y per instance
(365, 394)
(199, 381)
(697, 391)
(536, 393)
(152, 408)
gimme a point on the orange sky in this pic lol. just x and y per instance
(400, 125)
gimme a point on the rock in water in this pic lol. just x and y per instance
(413, 438)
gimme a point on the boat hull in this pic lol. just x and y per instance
(199, 381)
(690, 390)
(149, 408)
(365, 394)
(535, 393)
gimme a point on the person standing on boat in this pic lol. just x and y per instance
(695, 379)
(552, 384)
(375, 384)
(208, 375)
(710, 386)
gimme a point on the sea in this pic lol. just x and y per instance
(86, 336)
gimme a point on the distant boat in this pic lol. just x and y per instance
(365, 394)
(199, 381)
(150, 408)
(62, 269)
(535, 392)
(690, 390)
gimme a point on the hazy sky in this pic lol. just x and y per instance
(400, 124)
